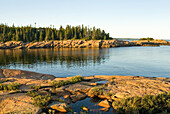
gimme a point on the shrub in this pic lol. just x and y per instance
(75, 79)
(37, 87)
(41, 100)
(146, 104)
(12, 86)
(32, 93)
(72, 80)
(97, 90)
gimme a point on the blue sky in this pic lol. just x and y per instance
(120, 18)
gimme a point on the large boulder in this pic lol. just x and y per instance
(78, 97)
(61, 107)
(105, 104)
(18, 103)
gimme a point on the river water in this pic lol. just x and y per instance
(136, 61)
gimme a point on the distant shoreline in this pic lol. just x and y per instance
(80, 44)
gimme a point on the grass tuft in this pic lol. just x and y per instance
(98, 90)
(72, 80)
(144, 105)
(9, 87)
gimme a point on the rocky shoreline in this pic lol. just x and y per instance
(80, 44)
(32, 86)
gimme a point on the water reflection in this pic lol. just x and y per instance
(68, 57)
(131, 61)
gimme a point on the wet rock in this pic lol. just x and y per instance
(102, 96)
(94, 84)
(104, 109)
(61, 107)
(78, 97)
(67, 97)
(104, 103)
(85, 108)
(61, 92)
(19, 47)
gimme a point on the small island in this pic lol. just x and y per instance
(28, 37)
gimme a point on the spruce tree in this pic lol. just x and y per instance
(16, 35)
(65, 35)
(3, 35)
(47, 35)
(41, 35)
(61, 36)
(52, 36)
(94, 34)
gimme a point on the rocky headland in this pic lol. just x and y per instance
(80, 44)
(24, 91)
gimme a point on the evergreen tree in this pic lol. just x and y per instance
(105, 38)
(17, 35)
(61, 36)
(85, 32)
(94, 34)
(80, 36)
(47, 37)
(41, 35)
(29, 33)
(75, 33)
(52, 36)
(3, 35)
(65, 35)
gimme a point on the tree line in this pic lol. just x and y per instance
(29, 33)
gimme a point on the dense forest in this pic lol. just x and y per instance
(29, 33)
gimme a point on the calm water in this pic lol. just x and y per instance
(91, 104)
(137, 61)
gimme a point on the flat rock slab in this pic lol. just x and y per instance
(17, 103)
(9, 73)
(77, 87)
(122, 87)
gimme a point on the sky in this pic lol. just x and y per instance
(120, 18)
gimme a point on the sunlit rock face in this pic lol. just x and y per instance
(66, 90)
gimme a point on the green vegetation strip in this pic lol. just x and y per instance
(148, 104)
(149, 39)
(9, 87)
(72, 80)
